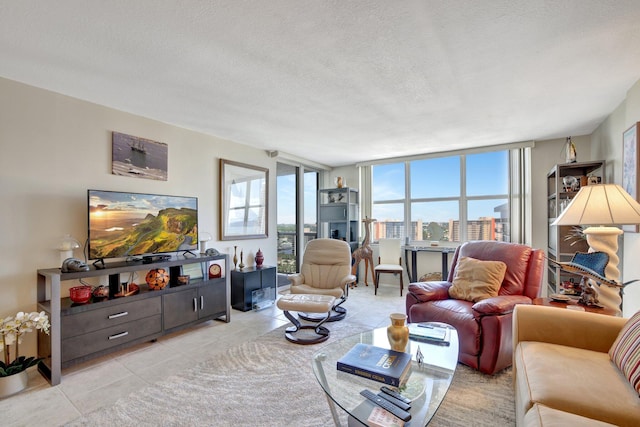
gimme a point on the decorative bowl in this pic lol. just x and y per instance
(80, 294)
(101, 292)
(157, 279)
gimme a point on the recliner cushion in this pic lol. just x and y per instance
(476, 280)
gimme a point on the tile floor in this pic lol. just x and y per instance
(102, 381)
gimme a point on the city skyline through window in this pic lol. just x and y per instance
(454, 198)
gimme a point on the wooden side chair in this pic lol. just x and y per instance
(389, 261)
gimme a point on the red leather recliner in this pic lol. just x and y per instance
(484, 328)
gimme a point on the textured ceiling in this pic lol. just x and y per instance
(337, 82)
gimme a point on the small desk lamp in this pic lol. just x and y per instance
(66, 246)
(204, 238)
(602, 207)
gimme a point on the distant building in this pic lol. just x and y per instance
(390, 229)
(477, 229)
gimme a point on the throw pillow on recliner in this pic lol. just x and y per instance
(476, 280)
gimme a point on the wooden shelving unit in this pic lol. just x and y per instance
(561, 248)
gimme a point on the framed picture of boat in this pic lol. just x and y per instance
(138, 157)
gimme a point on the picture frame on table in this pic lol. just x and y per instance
(630, 162)
(194, 271)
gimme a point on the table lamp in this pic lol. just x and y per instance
(204, 238)
(603, 207)
(66, 246)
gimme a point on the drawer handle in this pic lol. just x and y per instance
(120, 335)
(201, 302)
(195, 304)
(115, 316)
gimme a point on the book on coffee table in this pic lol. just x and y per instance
(376, 363)
(429, 333)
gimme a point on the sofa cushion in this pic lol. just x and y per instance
(476, 280)
(540, 415)
(625, 351)
(575, 380)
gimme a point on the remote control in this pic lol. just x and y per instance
(395, 394)
(386, 405)
(399, 403)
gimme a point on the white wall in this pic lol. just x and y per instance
(54, 148)
(606, 142)
(544, 156)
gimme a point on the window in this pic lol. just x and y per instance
(446, 199)
(296, 213)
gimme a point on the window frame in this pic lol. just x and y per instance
(463, 199)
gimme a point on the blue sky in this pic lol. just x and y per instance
(286, 199)
(487, 174)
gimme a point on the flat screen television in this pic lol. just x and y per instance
(123, 224)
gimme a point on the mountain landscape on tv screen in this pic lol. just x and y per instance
(122, 233)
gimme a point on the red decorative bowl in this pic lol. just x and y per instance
(80, 294)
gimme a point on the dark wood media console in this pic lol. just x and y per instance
(80, 332)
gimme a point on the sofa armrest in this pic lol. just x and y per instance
(502, 304)
(580, 329)
(430, 291)
(296, 279)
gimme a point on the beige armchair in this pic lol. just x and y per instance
(325, 270)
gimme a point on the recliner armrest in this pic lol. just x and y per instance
(350, 278)
(430, 291)
(296, 279)
(502, 304)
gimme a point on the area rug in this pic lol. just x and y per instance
(270, 382)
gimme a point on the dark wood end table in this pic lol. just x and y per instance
(572, 302)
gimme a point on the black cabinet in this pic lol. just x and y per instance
(244, 282)
(83, 331)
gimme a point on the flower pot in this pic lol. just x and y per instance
(13, 384)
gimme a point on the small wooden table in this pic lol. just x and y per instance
(561, 304)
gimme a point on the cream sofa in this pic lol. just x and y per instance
(562, 371)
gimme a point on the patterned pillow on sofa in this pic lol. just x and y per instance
(625, 351)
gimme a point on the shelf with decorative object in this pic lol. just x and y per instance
(338, 215)
(80, 332)
(563, 183)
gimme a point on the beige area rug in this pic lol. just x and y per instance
(270, 382)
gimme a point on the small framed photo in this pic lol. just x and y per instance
(194, 271)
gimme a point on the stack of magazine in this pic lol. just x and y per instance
(429, 333)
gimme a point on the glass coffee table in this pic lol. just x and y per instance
(426, 387)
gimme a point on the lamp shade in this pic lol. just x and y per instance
(601, 204)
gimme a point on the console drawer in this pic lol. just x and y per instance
(115, 314)
(83, 345)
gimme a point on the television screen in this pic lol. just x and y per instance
(126, 224)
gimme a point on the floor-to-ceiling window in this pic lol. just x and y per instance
(296, 191)
(445, 199)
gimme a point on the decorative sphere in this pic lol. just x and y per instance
(157, 278)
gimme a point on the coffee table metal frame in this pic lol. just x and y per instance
(427, 384)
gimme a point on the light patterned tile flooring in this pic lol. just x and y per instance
(102, 381)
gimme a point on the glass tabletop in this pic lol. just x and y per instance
(426, 386)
